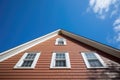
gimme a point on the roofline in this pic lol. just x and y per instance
(11, 52)
(107, 49)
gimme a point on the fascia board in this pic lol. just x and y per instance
(99, 46)
(11, 52)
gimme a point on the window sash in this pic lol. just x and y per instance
(60, 60)
(93, 62)
(27, 63)
(90, 55)
(30, 56)
(60, 63)
(60, 56)
(60, 41)
(66, 61)
(23, 60)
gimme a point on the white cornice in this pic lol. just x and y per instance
(99, 46)
(108, 50)
(11, 52)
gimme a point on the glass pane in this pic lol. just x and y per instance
(90, 56)
(95, 63)
(30, 56)
(27, 63)
(60, 42)
(60, 63)
(61, 39)
(60, 56)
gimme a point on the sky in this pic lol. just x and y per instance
(25, 20)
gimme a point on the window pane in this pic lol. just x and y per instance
(60, 56)
(30, 56)
(61, 39)
(60, 42)
(27, 63)
(60, 63)
(90, 55)
(95, 63)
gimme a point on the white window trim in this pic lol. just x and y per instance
(68, 65)
(98, 57)
(19, 63)
(56, 42)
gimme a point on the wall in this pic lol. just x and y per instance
(42, 71)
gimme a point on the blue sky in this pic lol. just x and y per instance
(24, 20)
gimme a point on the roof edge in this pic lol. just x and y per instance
(13, 51)
(97, 45)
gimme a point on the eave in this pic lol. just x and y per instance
(108, 50)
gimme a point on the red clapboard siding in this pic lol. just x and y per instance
(42, 71)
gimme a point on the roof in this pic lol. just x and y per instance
(107, 49)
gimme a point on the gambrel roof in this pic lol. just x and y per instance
(104, 48)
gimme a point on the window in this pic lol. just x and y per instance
(28, 60)
(60, 41)
(60, 60)
(93, 60)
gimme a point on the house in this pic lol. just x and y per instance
(60, 55)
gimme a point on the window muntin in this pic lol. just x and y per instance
(60, 60)
(27, 63)
(30, 56)
(95, 63)
(28, 60)
(60, 41)
(90, 56)
(60, 56)
(60, 63)
(93, 60)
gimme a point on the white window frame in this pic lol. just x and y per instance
(68, 65)
(64, 40)
(98, 57)
(20, 62)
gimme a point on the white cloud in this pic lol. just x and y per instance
(102, 17)
(117, 28)
(92, 2)
(114, 12)
(117, 37)
(115, 9)
(101, 7)
(117, 22)
(108, 9)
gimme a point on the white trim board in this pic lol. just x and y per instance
(11, 52)
(108, 50)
